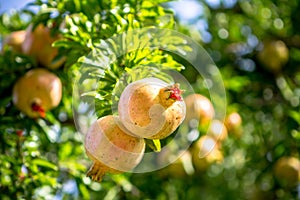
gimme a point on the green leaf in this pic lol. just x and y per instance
(45, 163)
(295, 115)
(84, 191)
(154, 144)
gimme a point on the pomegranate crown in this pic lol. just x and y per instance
(38, 108)
(175, 92)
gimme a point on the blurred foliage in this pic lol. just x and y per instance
(45, 159)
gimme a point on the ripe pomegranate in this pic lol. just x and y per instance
(150, 108)
(287, 171)
(111, 150)
(274, 55)
(205, 152)
(14, 40)
(200, 108)
(37, 92)
(38, 44)
(233, 123)
(218, 130)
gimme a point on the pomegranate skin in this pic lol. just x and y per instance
(112, 150)
(40, 87)
(200, 108)
(218, 130)
(233, 123)
(38, 44)
(205, 152)
(287, 171)
(15, 40)
(147, 111)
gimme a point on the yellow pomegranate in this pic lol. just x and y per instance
(15, 40)
(150, 108)
(287, 171)
(38, 44)
(111, 150)
(200, 108)
(233, 123)
(37, 92)
(217, 130)
(274, 55)
(205, 152)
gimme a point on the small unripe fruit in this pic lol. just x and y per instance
(37, 92)
(274, 55)
(287, 171)
(200, 108)
(111, 150)
(15, 40)
(38, 44)
(150, 108)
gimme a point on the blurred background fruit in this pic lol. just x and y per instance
(217, 130)
(14, 40)
(274, 55)
(38, 44)
(37, 92)
(287, 171)
(206, 152)
(233, 124)
(200, 108)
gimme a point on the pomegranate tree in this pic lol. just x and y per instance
(111, 149)
(150, 108)
(37, 92)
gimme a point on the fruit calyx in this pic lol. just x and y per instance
(170, 94)
(38, 108)
(97, 171)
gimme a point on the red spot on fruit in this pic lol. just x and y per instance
(37, 108)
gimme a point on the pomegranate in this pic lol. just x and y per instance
(287, 171)
(150, 108)
(200, 108)
(38, 44)
(233, 123)
(205, 152)
(15, 40)
(274, 55)
(218, 130)
(111, 150)
(37, 92)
